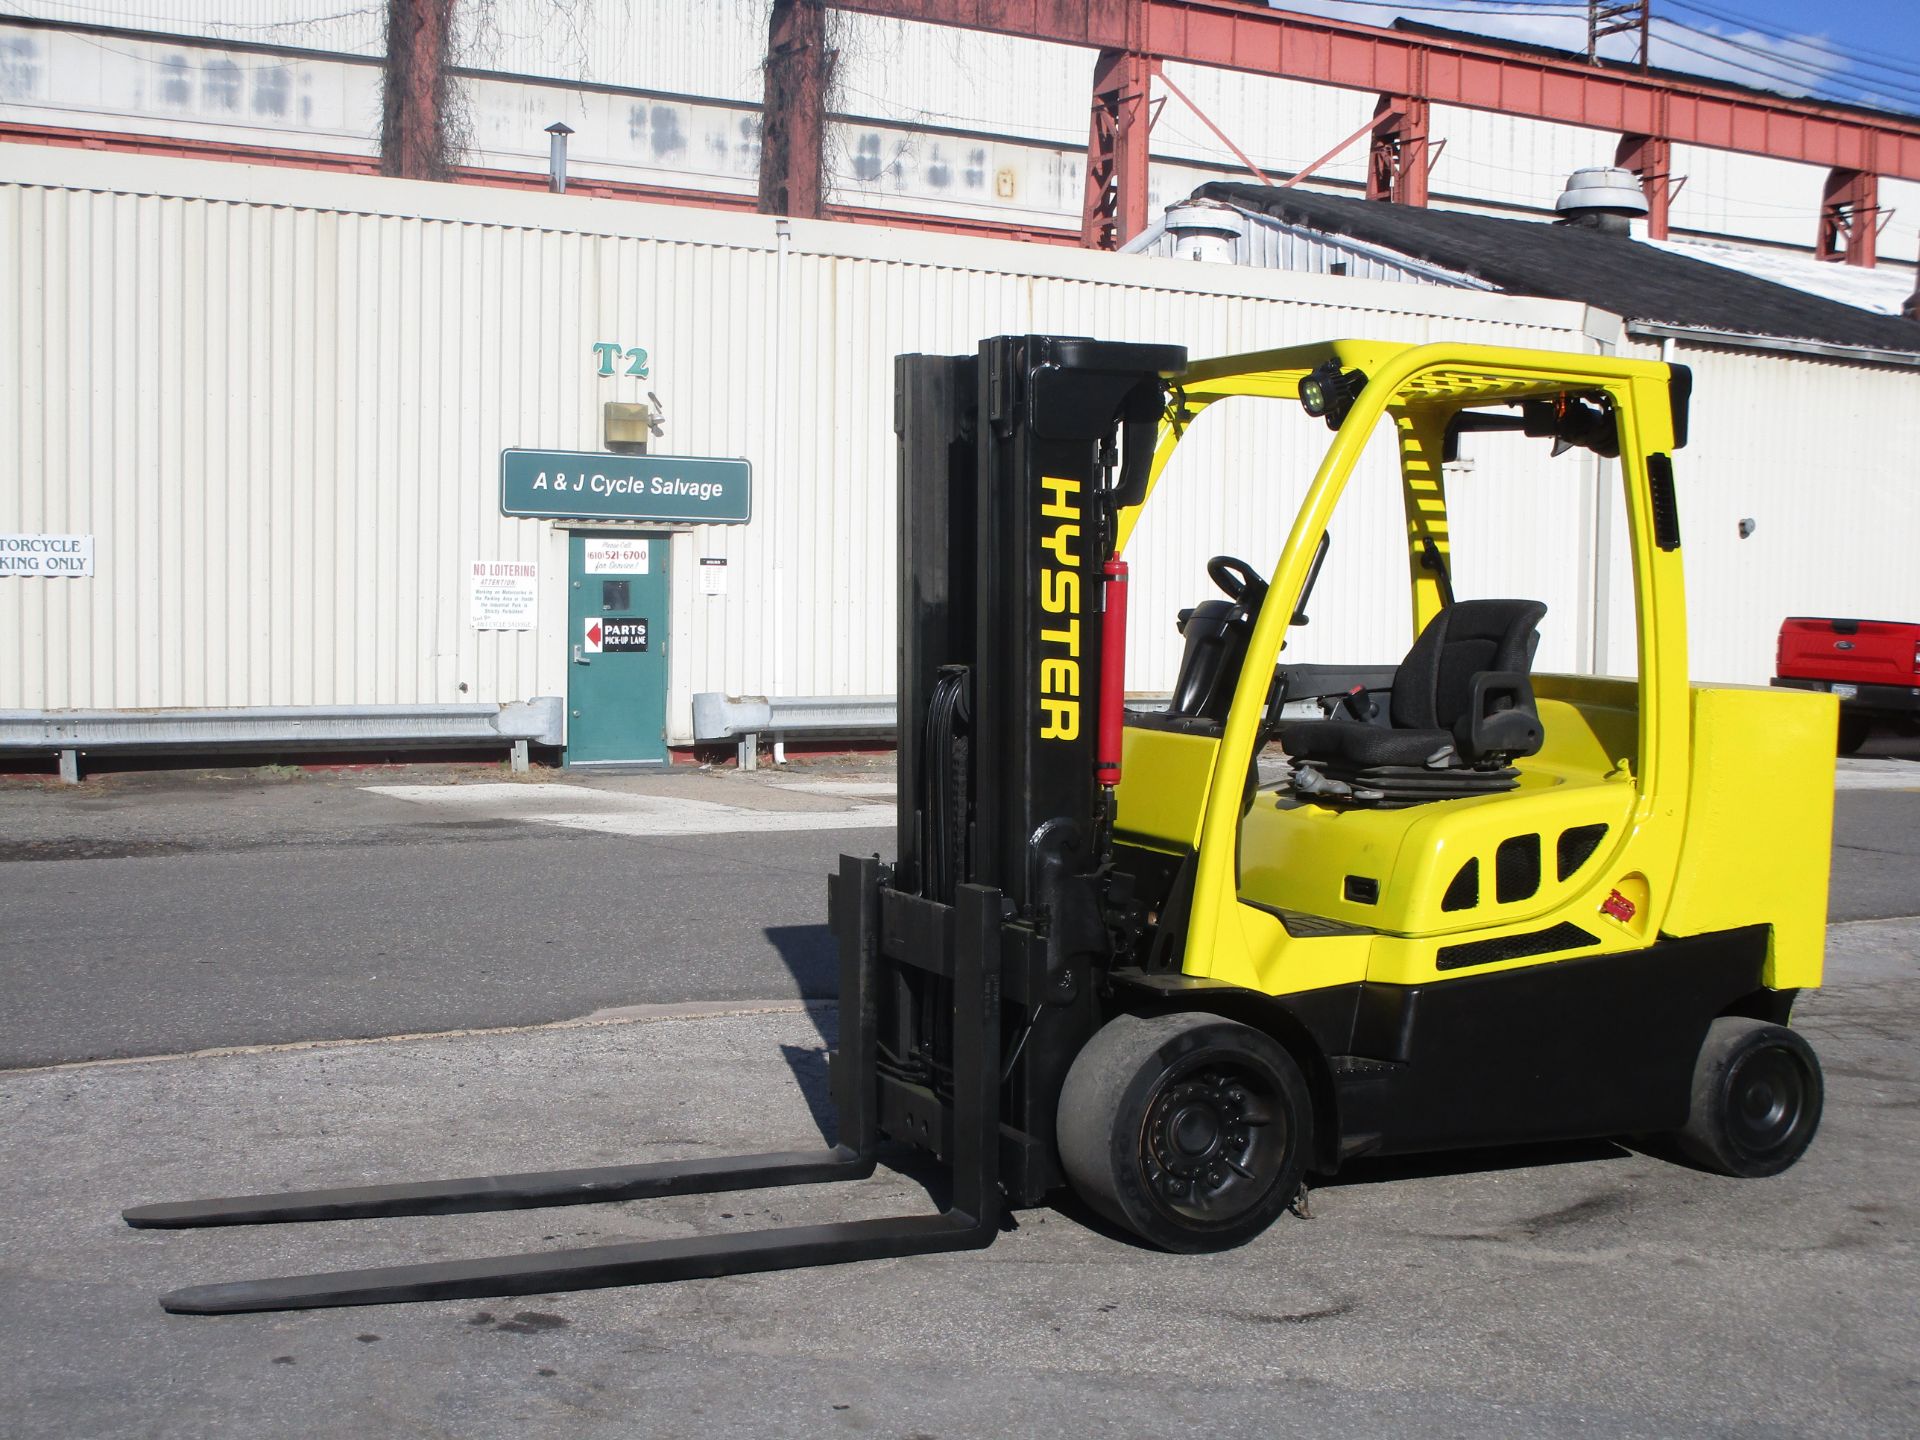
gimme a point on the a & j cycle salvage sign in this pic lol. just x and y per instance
(589, 485)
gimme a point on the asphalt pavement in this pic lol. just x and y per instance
(155, 913)
(436, 972)
(161, 913)
(1565, 1291)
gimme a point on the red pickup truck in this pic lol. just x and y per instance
(1872, 665)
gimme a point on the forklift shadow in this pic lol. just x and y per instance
(810, 955)
(1437, 1164)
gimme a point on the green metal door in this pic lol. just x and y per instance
(617, 649)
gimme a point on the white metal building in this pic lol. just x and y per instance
(276, 401)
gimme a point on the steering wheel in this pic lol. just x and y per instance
(1239, 580)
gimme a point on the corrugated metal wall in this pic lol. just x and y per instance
(277, 400)
(1824, 458)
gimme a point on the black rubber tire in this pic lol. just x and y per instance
(1854, 730)
(1189, 1130)
(1757, 1096)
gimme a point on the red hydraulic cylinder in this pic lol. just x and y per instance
(1113, 675)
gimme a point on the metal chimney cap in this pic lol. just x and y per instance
(559, 127)
(1208, 216)
(1602, 187)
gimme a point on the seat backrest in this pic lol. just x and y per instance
(1434, 685)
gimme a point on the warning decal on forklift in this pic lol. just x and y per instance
(622, 633)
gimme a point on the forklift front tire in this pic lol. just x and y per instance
(1191, 1131)
(1757, 1094)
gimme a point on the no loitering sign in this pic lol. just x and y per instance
(46, 556)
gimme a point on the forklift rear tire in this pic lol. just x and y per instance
(1757, 1094)
(1189, 1130)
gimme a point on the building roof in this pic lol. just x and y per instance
(1634, 280)
(1883, 288)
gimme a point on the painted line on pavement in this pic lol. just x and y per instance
(621, 812)
(1876, 775)
(849, 789)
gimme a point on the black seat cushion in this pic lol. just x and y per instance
(1362, 744)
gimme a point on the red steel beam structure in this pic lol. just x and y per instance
(1651, 158)
(1246, 36)
(1397, 160)
(1115, 206)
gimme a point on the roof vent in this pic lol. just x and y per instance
(1203, 230)
(1603, 198)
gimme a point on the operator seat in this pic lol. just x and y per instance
(1462, 708)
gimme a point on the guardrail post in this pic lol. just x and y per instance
(519, 757)
(70, 767)
(750, 751)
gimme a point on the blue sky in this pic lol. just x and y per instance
(1864, 52)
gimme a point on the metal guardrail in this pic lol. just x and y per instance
(280, 727)
(745, 719)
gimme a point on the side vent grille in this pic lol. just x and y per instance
(1464, 892)
(1513, 947)
(1576, 847)
(1516, 869)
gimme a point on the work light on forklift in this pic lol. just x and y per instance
(1330, 392)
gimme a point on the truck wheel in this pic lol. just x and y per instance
(1757, 1094)
(1854, 730)
(1189, 1130)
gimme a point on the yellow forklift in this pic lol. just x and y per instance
(1481, 904)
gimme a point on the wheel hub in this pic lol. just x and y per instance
(1207, 1153)
(1768, 1096)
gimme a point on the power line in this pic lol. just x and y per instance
(1546, 9)
(1776, 63)
(1835, 73)
(1758, 27)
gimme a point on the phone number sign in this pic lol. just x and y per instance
(591, 485)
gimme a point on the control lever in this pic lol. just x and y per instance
(1357, 703)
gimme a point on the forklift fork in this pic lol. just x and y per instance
(970, 1221)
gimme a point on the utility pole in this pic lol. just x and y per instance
(793, 114)
(413, 123)
(1604, 19)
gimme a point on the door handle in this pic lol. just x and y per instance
(580, 659)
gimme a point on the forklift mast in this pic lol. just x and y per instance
(1013, 463)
